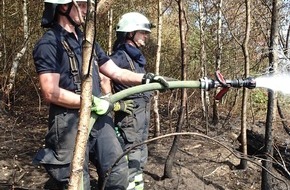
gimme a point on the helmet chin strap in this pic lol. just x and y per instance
(67, 15)
(132, 39)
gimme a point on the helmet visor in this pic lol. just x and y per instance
(148, 26)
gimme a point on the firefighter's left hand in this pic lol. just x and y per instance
(126, 106)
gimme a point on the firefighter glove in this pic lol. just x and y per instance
(151, 77)
(101, 106)
(126, 106)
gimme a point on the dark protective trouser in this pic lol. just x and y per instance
(135, 130)
(60, 143)
(105, 149)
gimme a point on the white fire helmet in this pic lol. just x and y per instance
(50, 9)
(133, 21)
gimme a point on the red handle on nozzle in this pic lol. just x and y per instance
(225, 86)
(221, 93)
(220, 79)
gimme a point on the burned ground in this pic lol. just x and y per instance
(200, 163)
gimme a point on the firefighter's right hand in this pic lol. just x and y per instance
(101, 106)
(151, 77)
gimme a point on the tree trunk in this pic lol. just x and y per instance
(286, 48)
(103, 6)
(156, 95)
(215, 118)
(3, 52)
(174, 147)
(204, 93)
(110, 26)
(283, 118)
(5, 102)
(86, 102)
(243, 162)
(273, 62)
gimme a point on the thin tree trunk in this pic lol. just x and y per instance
(76, 182)
(110, 25)
(3, 53)
(204, 93)
(156, 95)
(283, 118)
(174, 147)
(286, 49)
(243, 162)
(103, 7)
(273, 62)
(15, 64)
(215, 118)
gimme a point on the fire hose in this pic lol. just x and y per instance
(203, 83)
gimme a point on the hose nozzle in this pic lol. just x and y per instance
(208, 84)
(249, 83)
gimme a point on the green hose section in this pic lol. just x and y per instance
(153, 86)
(144, 88)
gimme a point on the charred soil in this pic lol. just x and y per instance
(201, 162)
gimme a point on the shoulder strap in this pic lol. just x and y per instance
(130, 62)
(73, 66)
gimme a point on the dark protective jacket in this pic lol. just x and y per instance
(51, 57)
(134, 128)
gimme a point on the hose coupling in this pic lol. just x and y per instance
(206, 83)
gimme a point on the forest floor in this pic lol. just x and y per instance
(201, 162)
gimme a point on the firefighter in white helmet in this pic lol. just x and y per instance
(58, 62)
(51, 11)
(133, 30)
